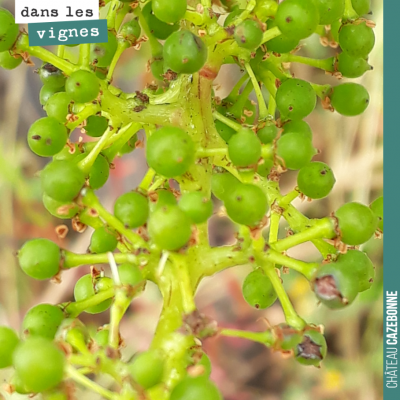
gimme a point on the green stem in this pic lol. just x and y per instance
(122, 46)
(147, 180)
(118, 310)
(274, 227)
(326, 64)
(227, 121)
(201, 153)
(265, 338)
(271, 34)
(321, 90)
(112, 14)
(262, 108)
(90, 109)
(84, 55)
(235, 91)
(288, 198)
(271, 106)
(72, 260)
(60, 51)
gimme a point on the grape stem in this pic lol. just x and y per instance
(227, 121)
(326, 64)
(84, 56)
(112, 13)
(265, 338)
(262, 108)
(147, 180)
(271, 34)
(121, 47)
(60, 50)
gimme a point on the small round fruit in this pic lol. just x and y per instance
(147, 369)
(197, 206)
(246, 204)
(297, 19)
(88, 286)
(351, 67)
(39, 364)
(195, 388)
(258, 290)
(206, 364)
(377, 208)
(170, 151)
(42, 320)
(315, 180)
(329, 10)
(244, 148)
(248, 34)
(58, 107)
(225, 131)
(158, 28)
(101, 54)
(361, 7)
(62, 180)
(165, 197)
(295, 99)
(282, 43)
(184, 52)
(287, 337)
(350, 99)
(357, 40)
(96, 125)
(132, 209)
(264, 168)
(18, 386)
(7, 61)
(130, 274)
(8, 342)
(47, 137)
(312, 350)
(157, 67)
(101, 337)
(169, 11)
(222, 184)
(357, 223)
(99, 172)
(268, 133)
(130, 31)
(46, 92)
(82, 86)
(40, 258)
(9, 30)
(52, 76)
(169, 227)
(102, 241)
(297, 126)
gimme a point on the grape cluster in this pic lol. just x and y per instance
(226, 153)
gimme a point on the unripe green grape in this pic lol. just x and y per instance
(170, 151)
(131, 30)
(357, 264)
(169, 11)
(377, 208)
(169, 227)
(287, 337)
(72, 329)
(46, 92)
(248, 34)
(103, 241)
(184, 52)
(39, 363)
(357, 223)
(225, 131)
(244, 148)
(52, 76)
(9, 30)
(295, 99)
(222, 184)
(8, 342)
(282, 43)
(55, 395)
(132, 209)
(47, 137)
(351, 67)
(39, 258)
(335, 287)
(147, 368)
(101, 337)
(88, 286)
(129, 146)
(101, 54)
(57, 106)
(159, 29)
(164, 197)
(42, 320)
(157, 67)
(296, 150)
(18, 386)
(297, 19)
(329, 10)
(235, 12)
(62, 180)
(361, 7)
(206, 364)
(96, 125)
(100, 171)
(195, 388)
(264, 169)
(315, 180)
(357, 40)
(268, 133)
(197, 206)
(258, 290)
(246, 204)
(7, 61)
(130, 274)
(82, 86)
(66, 155)
(297, 126)
(350, 99)
(312, 350)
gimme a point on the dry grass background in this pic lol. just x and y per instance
(244, 371)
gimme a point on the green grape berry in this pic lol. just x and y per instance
(246, 204)
(103, 241)
(377, 208)
(18, 386)
(132, 209)
(170, 151)
(297, 126)
(222, 184)
(52, 76)
(60, 209)
(47, 136)
(329, 10)
(244, 148)
(46, 92)
(195, 388)
(357, 39)
(100, 171)
(350, 99)
(147, 369)
(101, 54)
(157, 67)
(361, 7)
(8, 342)
(206, 364)
(265, 167)
(312, 350)
(295, 99)
(9, 30)
(96, 125)
(315, 180)
(58, 107)
(197, 206)
(165, 197)
(158, 28)
(130, 274)
(297, 19)
(102, 336)
(7, 61)
(184, 52)
(258, 290)
(39, 363)
(40, 258)
(287, 337)
(42, 320)
(282, 43)
(62, 180)
(357, 223)
(351, 67)
(248, 34)
(268, 133)
(83, 86)
(169, 11)
(130, 31)
(88, 286)
(169, 227)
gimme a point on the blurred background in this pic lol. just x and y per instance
(243, 370)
